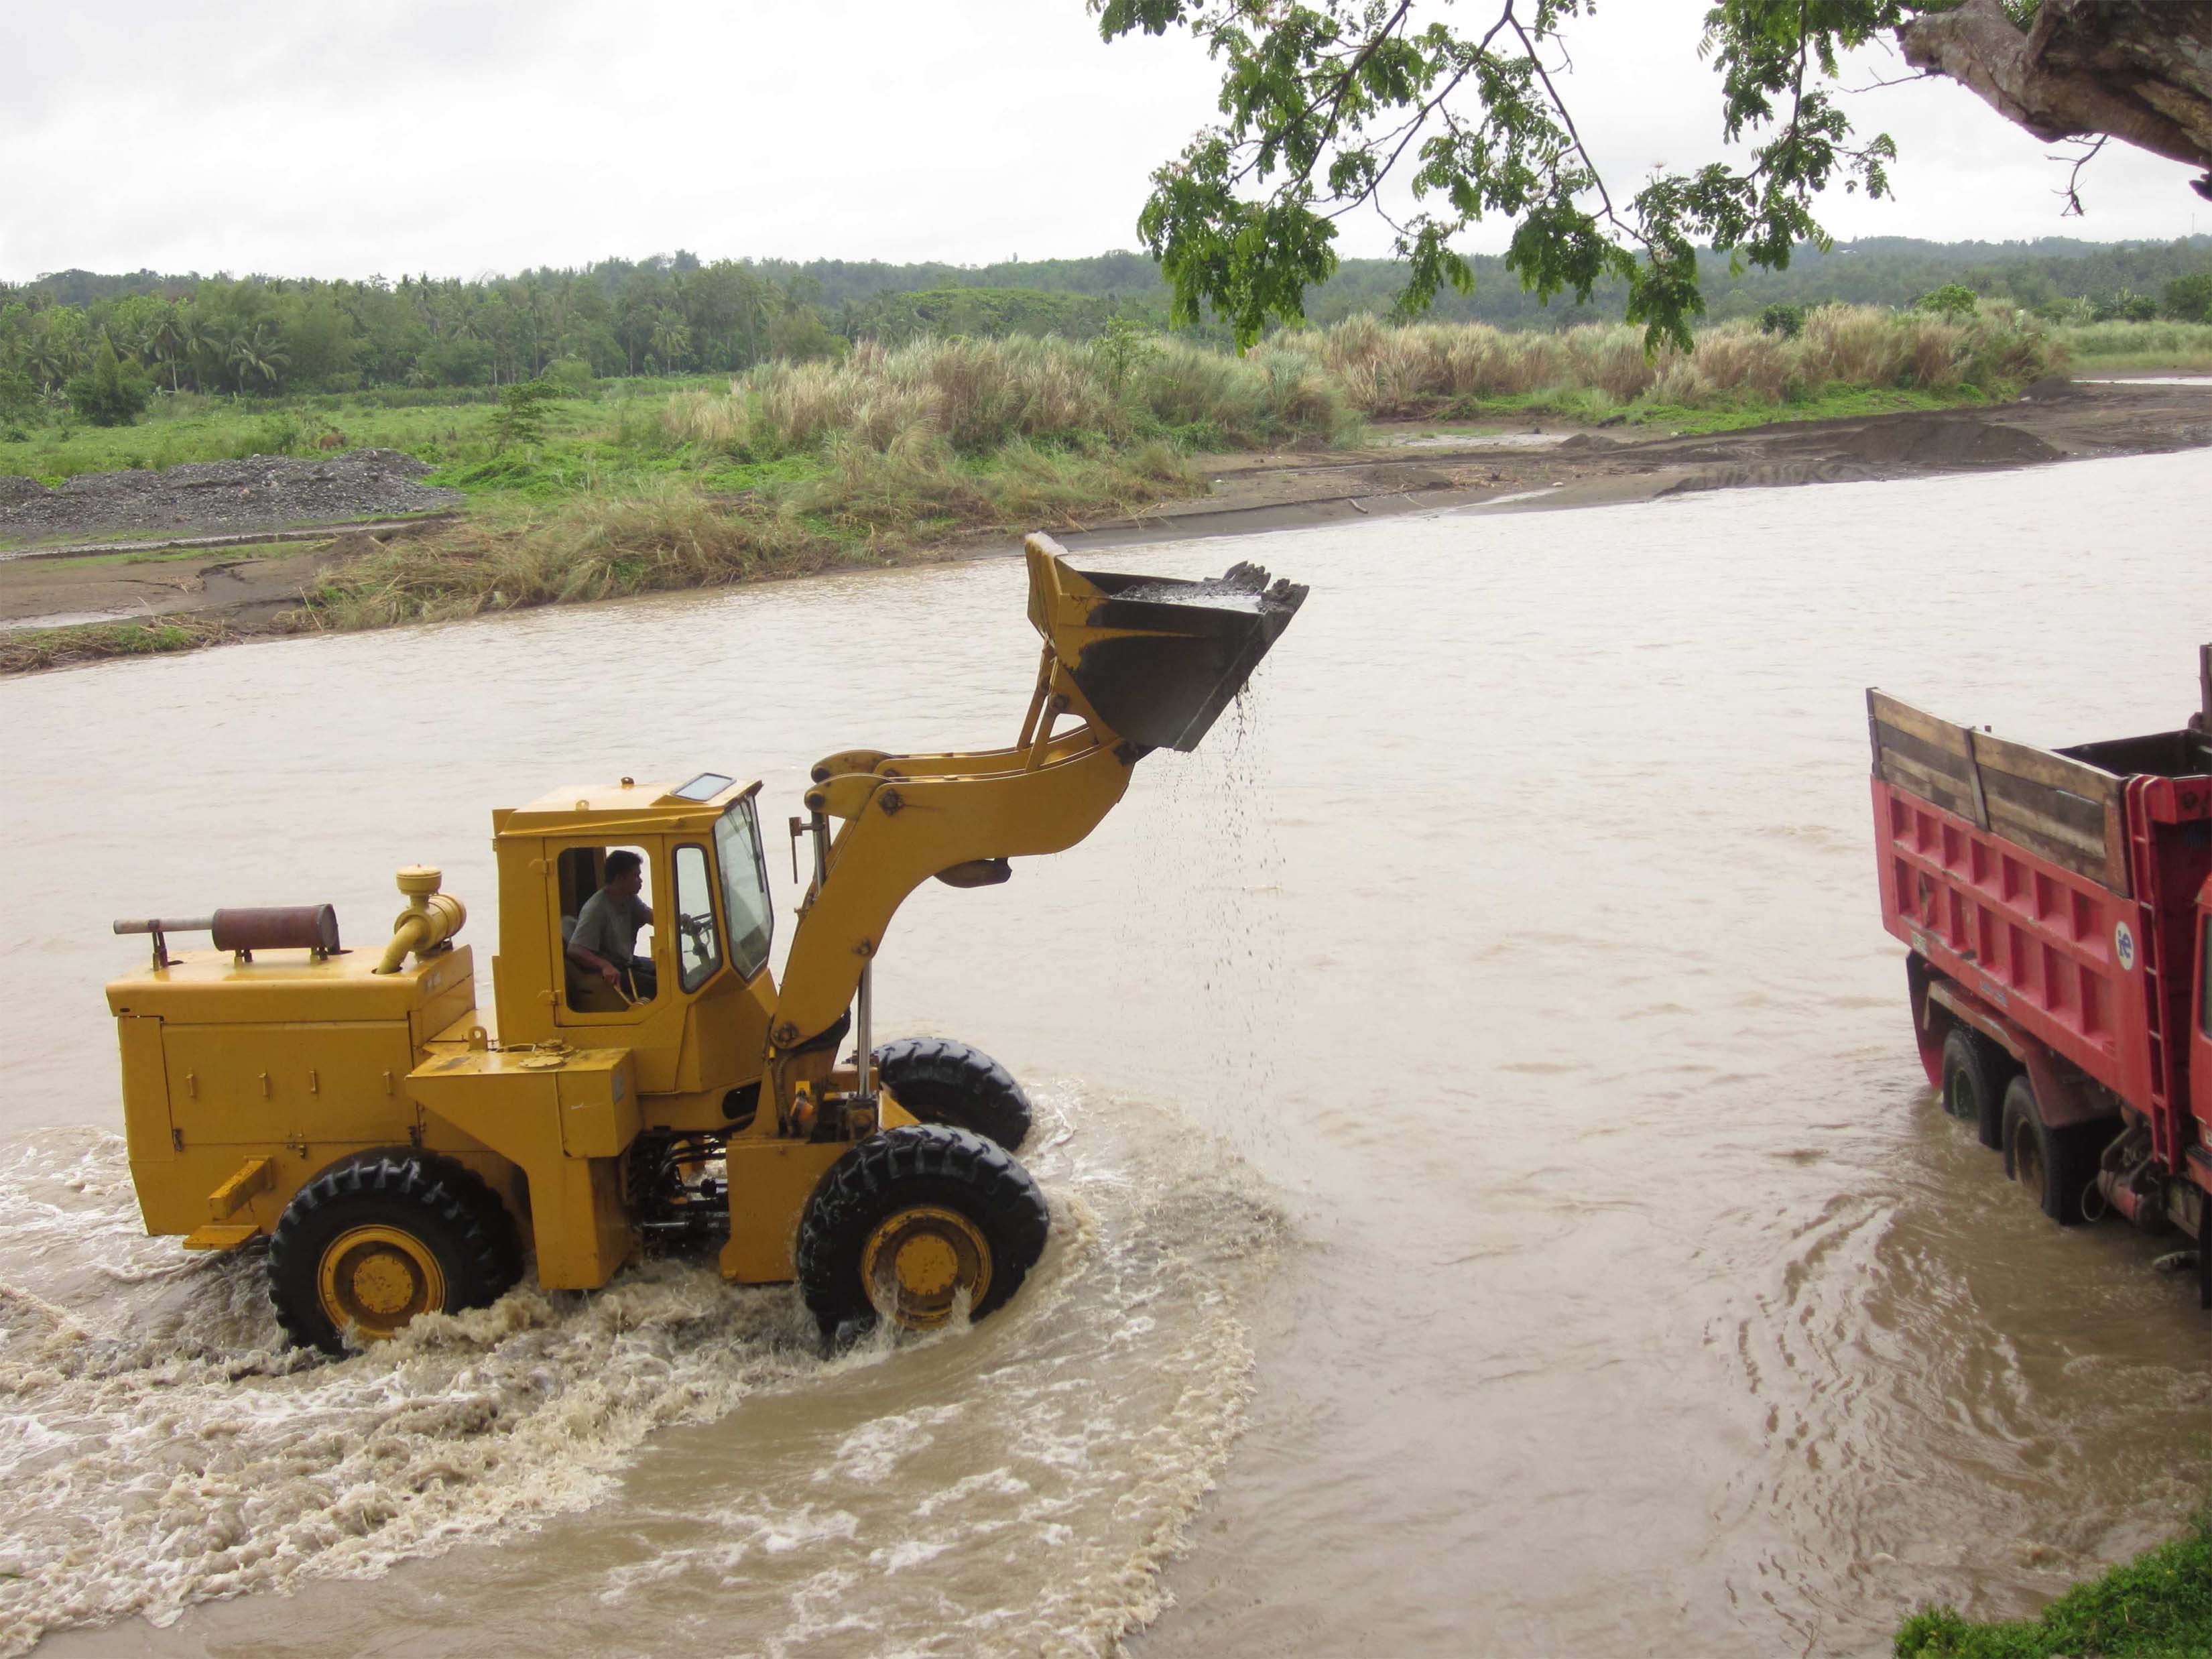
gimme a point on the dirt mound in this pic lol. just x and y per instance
(1941, 443)
(263, 492)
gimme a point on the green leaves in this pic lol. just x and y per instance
(1324, 105)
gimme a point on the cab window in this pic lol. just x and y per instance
(606, 927)
(698, 944)
(745, 888)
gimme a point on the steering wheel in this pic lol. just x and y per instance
(695, 935)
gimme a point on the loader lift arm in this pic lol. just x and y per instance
(1139, 664)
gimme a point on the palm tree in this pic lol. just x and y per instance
(164, 342)
(48, 360)
(672, 340)
(257, 351)
(194, 342)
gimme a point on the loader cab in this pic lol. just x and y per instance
(696, 1023)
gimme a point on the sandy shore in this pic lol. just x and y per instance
(238, 591)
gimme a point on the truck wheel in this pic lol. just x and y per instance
(382, 1236)
(910, 1221)
(2053, 1166)
(1973, 1086)
(941, 1081)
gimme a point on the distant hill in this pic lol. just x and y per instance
(1891, 271)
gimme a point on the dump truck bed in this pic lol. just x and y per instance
(2057, 885)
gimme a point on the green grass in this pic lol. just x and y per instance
(2157, 1607)
(26, 649)
(1590, 407)
(585, 436)
(1836, 402)
(2181, 347)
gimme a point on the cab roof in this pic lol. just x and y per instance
(697, 801)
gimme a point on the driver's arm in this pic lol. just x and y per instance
(590, 960)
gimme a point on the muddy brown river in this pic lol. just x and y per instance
(1497, 1205)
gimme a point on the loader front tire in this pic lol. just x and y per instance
(379, 1237)
(941, 1081)
(911, 1222)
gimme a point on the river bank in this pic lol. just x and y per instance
(63, 606)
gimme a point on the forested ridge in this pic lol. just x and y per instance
(679, 314)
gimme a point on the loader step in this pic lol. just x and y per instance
(220, 1235)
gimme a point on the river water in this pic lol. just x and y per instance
(1485, 1136)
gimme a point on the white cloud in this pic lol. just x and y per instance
(468, 136)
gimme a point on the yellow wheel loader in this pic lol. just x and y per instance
(395, 1142)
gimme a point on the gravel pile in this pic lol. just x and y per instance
(263, 492)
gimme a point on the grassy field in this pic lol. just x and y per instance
(2156, 1606)
(649, 485)
(2120, 347)
(590, 436)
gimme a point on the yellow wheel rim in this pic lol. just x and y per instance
(917, 1264)
(377, 1279)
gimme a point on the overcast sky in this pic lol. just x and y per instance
(463, 137)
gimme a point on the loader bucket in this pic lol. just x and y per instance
(1157, 658)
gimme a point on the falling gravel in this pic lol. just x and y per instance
(262, 492)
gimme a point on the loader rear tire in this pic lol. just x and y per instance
(1974, 1084)
(2054, 1167)
(941, 1081)
(379, 1237)
(910, 1221)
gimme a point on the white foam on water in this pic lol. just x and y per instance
(1021, 1491)
(163, 1448)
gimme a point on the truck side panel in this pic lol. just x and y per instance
(2055, 952)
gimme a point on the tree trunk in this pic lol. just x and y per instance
(2139, 70)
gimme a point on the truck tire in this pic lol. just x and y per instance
(1974, 1071)
(379, 1237)
(941, 1081)
(907, 1221)
(2053, 1166)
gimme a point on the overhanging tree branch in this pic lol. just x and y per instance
(1323, 102)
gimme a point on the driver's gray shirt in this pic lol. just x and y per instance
(607, 926)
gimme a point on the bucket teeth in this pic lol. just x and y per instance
(1157, 658)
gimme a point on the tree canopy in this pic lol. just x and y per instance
(1324, 101)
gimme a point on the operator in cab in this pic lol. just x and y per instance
(605, 940)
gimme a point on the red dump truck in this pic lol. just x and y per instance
(2058, 903)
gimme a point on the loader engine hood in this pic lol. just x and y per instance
(1159, 659)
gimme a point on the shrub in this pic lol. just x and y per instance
(1788, 321)
(521, 416)
(111, 392)
(573, 375)
(1952, 300)
(2189, 299)
(2125, 307)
